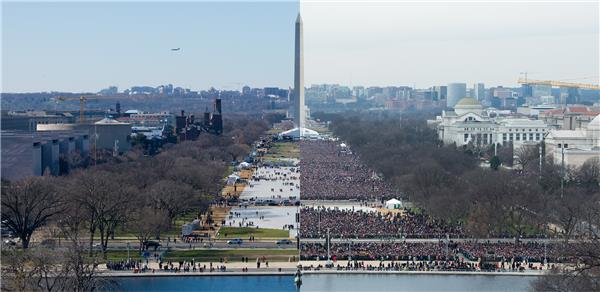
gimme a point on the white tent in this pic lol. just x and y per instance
(244, 165)
(393, 204)
(232, 179)
(299, 133)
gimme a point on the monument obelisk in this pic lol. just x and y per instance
(299, 110)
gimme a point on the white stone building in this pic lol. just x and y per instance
(470, 123)
(577, 145)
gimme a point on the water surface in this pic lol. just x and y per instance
(330, 282)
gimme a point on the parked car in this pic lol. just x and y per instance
(235, 241)
(284, 241)
(150, 243)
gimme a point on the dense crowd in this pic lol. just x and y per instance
(189, 266)
(532, 250)
(435, 265)
(430, 251)
(375, 251)
(348, 223)
(131, 265)
(331, 171)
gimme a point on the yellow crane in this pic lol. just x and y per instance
(556, 83)
(82, 100)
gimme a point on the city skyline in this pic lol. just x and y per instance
(411, 50)
(71, 46)
(436, 43)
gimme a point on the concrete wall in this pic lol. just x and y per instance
(50, 155)
(108, 134)
(37, 158)
(32, 153)
(82, 144)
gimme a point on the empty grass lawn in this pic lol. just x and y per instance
(284, 150)
(245, 232)
(173, 232)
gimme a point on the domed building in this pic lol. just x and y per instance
(468, 105)
(470, 123)
(577, 146)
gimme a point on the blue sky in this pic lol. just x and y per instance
(70, 46)
(435, 42)
(74, 46)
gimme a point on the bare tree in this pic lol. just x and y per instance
(506, 154)
(588, 175)
(84, 273)
(171, 197)
(146, 223)
(28, 205)
(525, 156)
(237, 150)
(582, 271)
(41, 269)
(105, 201)
(566, 213)
(114, 211)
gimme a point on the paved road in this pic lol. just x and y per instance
(218, 244)
(271, 244)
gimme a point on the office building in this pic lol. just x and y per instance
(479, 91)
(456, 92)
(577, 146)
(35, 153)
(469, 123)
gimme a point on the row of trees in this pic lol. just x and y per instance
(134, 193)
(450, 183)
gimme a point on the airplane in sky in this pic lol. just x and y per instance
(177, 49)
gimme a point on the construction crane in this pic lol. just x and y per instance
(82, 99)
(555, 83)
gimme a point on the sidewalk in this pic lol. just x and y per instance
(289, 268)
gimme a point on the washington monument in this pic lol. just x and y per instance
(299, 111)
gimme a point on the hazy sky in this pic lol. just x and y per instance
(387, 43)
(88, 46)
(75, 46)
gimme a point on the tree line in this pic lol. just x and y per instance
(533, 198)
(134, 192)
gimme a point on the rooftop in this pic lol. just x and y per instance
(468, 101)
(109, 121)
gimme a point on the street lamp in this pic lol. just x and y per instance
(328, 251)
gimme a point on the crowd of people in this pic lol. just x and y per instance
(349, 223)
(528, 250)
(331, 171)
(374, 251)
(435, 265)
(430, 251)
(131, 265)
